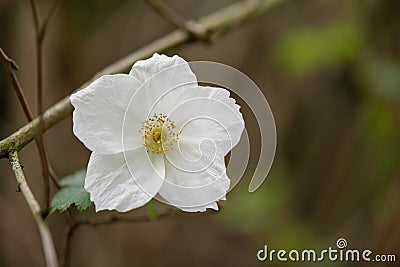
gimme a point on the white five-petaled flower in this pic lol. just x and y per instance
(156, 132)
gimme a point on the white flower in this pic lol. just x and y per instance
(156, 132)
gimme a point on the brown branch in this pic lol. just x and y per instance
(125, 219)
(72, 227)
(39, 100)
(52, 13)
(39, 35)
(193, 28)
(10, 67)
(45, 235)
(75, 224)
(216, 23)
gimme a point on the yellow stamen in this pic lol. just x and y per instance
(158, 134)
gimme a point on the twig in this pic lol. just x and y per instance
(45, 235)
(39, 35)
(39, 100)
(193, 28)
(125, 219)
(167, 213)
(75, 224)
(67, 244)
(53, 11)
(10, 67)
(217, 23)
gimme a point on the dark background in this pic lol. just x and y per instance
(331, 72)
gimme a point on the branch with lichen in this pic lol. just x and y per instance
(47, 241)
(215, 25)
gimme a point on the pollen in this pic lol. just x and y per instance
(158, 133)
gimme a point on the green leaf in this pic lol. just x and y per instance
(71, 192)
(77, 179)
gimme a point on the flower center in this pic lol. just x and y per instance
(158, 133)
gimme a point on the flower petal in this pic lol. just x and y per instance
(195, 190)
(142, 70)
(211, 115)
(165, 82)
(113, 184)
(203, 208)
(99, 114)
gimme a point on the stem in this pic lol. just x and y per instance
(132, 219)
(67, 244)
(169, 14)
(196, 30)
(75, 224)
(53, 11)
(45, 235)
(39, 100)
(216, 23)
(165, 214)
(11, 67)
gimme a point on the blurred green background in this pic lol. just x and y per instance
(331, 72)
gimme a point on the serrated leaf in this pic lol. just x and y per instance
(71, 192)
